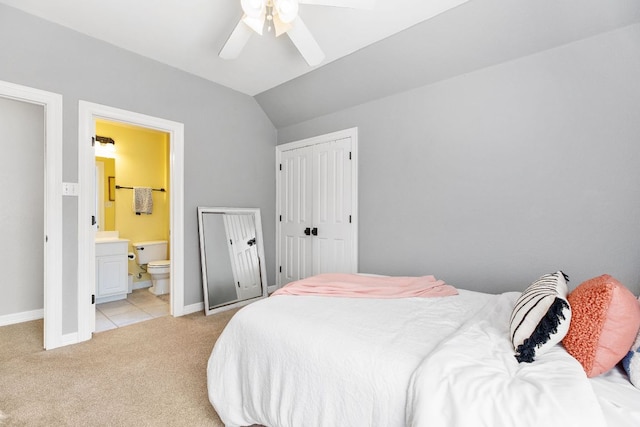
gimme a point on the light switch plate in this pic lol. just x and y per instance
(70, 188)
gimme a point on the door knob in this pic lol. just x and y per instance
(314, 231)
(307, 231)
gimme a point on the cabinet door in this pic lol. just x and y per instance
(111, 271)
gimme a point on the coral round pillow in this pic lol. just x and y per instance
(605, 321)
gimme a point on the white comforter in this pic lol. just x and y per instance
(472, 379)
(322, 361)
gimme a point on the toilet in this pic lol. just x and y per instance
(153, 254)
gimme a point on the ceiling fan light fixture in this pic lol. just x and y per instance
(254, 8)
(283, 16)
(280, 27)
(287, 10)
(256, 24)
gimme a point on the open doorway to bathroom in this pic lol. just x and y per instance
(129, 157)
(146, 152)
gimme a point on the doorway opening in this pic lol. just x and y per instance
(92, 117)
(52, 214)
(128, 157)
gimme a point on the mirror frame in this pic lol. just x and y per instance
(203, 261)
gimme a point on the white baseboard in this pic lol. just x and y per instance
(188, 309)
(25, 316)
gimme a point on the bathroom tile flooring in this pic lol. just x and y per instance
(139, 306)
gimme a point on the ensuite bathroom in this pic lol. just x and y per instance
(132, 220)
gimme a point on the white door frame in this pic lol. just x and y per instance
(88, 113)
(52, 104)
(341, 134)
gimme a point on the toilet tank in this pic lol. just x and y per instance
(146, 252)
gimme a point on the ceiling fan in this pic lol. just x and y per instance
(283, 16)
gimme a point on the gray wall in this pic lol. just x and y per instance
(493, 178)
(229, 141)
(22, 206)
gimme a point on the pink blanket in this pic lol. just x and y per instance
(359, 286)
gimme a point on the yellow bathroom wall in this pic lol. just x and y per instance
(141, 160)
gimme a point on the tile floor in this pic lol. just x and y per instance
(139, 306)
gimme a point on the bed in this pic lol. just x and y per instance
(311, 360)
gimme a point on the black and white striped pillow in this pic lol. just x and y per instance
(541, 316)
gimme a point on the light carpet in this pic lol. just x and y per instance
(147, 374)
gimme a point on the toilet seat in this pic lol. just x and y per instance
(160, 263)
(159, 266)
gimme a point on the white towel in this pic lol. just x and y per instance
(142, 200)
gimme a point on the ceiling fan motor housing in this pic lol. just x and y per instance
(287, 10)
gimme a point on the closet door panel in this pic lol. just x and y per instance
(317, 194)
(297, 214)
(331, 207)
(330, 255)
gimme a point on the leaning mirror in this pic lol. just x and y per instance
(232, 257)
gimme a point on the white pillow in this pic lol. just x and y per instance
(541, 316)
(631, 361)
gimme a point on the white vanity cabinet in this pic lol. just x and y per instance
(111, 270)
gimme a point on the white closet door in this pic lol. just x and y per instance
(296, 209)
(332, 207)
(317, 188)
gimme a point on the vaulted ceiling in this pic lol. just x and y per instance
(188, 34)
(398, 45)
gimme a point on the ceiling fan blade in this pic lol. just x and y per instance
(279, 26)
(255, 23)
(354, 4)
(238, 38)
(304, 41)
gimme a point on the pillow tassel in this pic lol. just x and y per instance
(548, 325)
